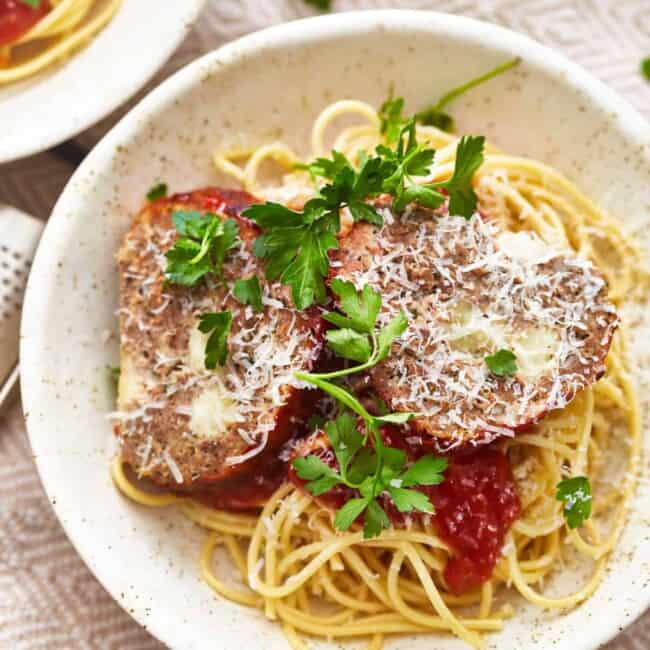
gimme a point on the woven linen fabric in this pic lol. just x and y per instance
(48, 598)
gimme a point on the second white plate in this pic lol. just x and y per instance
(68, 97)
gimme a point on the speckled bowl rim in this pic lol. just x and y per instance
(295, 34)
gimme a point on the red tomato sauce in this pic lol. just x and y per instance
(17, 18)
(248, 492)
(474, 508)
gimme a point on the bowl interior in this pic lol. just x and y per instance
(265, 87)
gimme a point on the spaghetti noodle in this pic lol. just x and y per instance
(67, 26)
(317, 581)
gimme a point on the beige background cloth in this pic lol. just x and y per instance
(48, 598)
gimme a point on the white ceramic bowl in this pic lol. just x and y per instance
(64, 99)
(268, 85)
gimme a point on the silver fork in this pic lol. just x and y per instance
(19, 236)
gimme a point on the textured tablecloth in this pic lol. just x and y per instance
(48, 598)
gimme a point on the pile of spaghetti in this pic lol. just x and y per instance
(35, 34)
(317, 581)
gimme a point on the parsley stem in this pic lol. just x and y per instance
(372, 361)
(336, 392)
(472, 83)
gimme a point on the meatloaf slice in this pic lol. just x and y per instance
(469, 290)
(180, 425)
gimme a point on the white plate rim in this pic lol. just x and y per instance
(296, 32)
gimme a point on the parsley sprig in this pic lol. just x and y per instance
(575, 493)
(217, 325)
(391, 111)
(357, 337)
(370, 471)
(201, 248)
(295, 245)
(249, 292)
(34, 4)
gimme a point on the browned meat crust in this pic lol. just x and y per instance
(182, 426)
(467, 293)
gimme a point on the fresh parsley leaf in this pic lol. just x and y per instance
(201, 248)
(349, 513)
(395, 328)
(322, 485)
(157, 192)
(182, 266)
(364, 212)
(321, 478)
(469, 157)
(323, 5)
(346, 440)
(191, 223)
(363, 466)
(409, 500)
(576, 494)
(217, 324)
(407, 160)
(34, 4)
(502, 363)
(361, 308)
(394, 458)
(224, 240)
(295, 245)
(428, 470)
(645, 68)
(436, 116)
(375, 520)
(325, 167)
(349, 344)
(311, 467)
(391, 118)
(249, 292)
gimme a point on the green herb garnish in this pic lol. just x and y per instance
(391, 116)
(391, 112)
(357, 338)
(502, 363)
(436, 116)
(34, 4)
(410, 159)
(575, 493)
(370, 471)
(201, 248)
(249, 292)
(645, 68)
(157, 192)
(323, 5)
(295, 245)
(217, 325)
